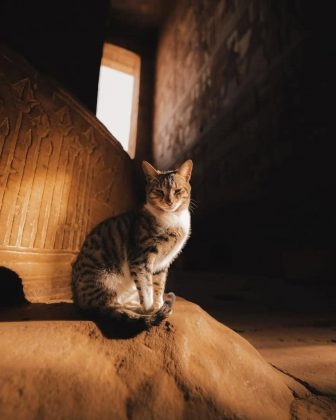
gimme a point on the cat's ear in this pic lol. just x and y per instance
(185, 169)
(149, 170)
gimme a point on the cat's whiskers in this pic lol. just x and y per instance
(192, 205)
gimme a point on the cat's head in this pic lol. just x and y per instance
(168, 190)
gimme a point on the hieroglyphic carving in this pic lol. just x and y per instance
(15, 218)
(14, 154)
(72, 190)
(83, 222)
(59, 173)
(4, 131)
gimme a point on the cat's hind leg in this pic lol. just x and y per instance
(130, 312)
(165, 310)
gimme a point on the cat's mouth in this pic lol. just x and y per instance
(171, 208)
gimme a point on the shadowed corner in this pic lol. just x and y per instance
(11, 288)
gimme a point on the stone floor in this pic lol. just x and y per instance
(291, 323)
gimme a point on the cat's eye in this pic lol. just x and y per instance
(178, 191)
(159, 193)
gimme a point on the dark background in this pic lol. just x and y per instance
(244, 89)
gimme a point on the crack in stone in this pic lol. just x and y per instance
(305, 384)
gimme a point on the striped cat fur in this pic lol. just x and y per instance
(122, 267)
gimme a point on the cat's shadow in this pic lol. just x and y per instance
(110, 328)
(118, 329)
(14, 307)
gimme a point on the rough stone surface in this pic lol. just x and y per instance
(220, 63)
(54, 365)
(61, 173)
(292, 325)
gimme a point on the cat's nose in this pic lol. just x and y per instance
(170, 198)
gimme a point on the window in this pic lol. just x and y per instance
(118, 94)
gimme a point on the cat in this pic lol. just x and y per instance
(122, 267)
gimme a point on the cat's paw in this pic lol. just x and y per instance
(170, 299)
(146, 311)
(158, 305)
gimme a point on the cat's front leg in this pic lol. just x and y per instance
(159, 282)
(146, 293)
(143, 279)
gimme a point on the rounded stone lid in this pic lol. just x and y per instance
(61, 173)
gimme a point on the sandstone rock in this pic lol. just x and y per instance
(190, 367)
(61, 172)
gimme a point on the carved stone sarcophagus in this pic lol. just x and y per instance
(61, 172)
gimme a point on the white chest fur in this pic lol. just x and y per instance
(173, 220)
(177, 220)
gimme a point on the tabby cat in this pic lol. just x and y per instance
(122, 267)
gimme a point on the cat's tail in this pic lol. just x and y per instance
(154, 318)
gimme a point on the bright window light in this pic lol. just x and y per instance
(114, 102)
(118, 94)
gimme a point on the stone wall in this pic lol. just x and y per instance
(240, 89)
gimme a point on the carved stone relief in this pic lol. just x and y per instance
(61, 173)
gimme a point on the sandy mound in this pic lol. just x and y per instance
(53, 365)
